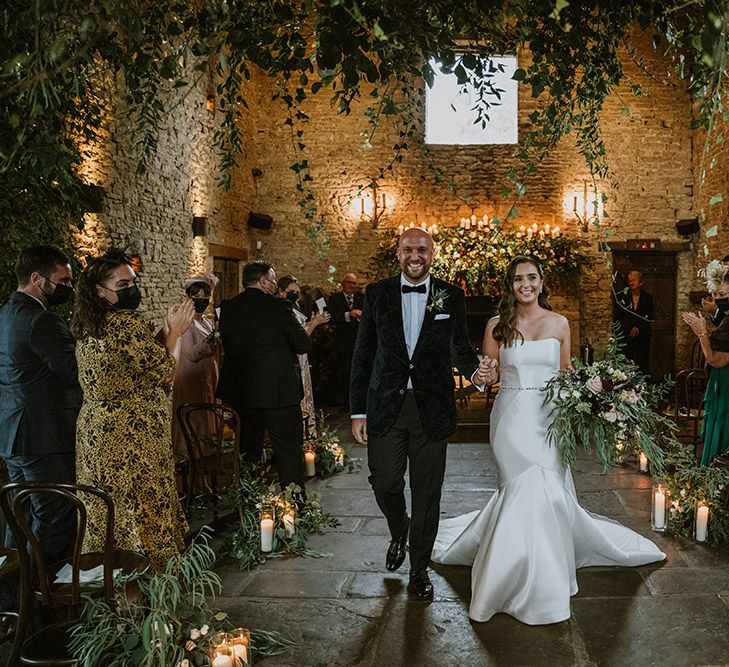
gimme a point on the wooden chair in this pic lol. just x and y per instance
(10, 568)
(48, 646)
(687, 406)
(212, 451)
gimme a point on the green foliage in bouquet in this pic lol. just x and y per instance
(686, 484)
(478, 260)
(167, 620)
(606, 406)
(330, 455)
(251, 495)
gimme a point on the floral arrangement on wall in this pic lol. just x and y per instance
(476, 259)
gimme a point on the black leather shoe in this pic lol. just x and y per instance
(396, 551)
(419, 585)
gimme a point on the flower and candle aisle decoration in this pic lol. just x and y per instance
(606, 407)
(166, 621)
(273, 523)
(476, 254)
(697, 497)
(330, 456)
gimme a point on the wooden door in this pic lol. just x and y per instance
(659, 271)
(227, 270)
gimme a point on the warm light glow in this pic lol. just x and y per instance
(585, 205)
(431, 229)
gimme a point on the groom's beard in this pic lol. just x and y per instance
(415, 273)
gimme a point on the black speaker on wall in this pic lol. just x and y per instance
(687, 227)
(259, 220)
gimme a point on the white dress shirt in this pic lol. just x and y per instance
(413, 312)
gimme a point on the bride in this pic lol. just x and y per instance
(525, 545)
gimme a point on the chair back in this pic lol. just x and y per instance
(698, 360)
(14, 500)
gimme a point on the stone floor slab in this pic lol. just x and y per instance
(308, 585)
(596, 582)
(689, 581)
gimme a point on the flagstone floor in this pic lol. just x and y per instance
(348, 610)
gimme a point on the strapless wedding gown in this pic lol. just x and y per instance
(526, 543)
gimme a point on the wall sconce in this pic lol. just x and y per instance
(371, 205)
(579, 203)
(199, 226)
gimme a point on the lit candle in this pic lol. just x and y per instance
(310, 457)
(223, 661)
(473, 218)
(266, 535)
(241, 654)
(289, 523)
(555, 231)
(400, 229)
(547, 227)
(643, 462)
(702, 521)
(659, 509)
(522, 229)
(541, 232)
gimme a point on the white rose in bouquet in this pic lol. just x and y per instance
(594, 384)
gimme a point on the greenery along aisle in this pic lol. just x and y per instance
(166, 622)
(477, 259)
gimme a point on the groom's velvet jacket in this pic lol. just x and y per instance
(380, 366)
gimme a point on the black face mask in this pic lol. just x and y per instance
(129, 298)
(722, 304)
(292, 296)
(59, 295)
(201, 303)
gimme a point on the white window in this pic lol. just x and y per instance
(451, 116)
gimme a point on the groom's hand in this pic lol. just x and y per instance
(359, 429)
(487, 371)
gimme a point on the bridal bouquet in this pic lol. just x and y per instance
(607, 407)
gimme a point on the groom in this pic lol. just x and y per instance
(412, 330)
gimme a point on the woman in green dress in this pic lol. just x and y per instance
(715, 346)
(123, 429)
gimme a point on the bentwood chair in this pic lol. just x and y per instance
(40, 585)
(212, 437)
(686, 409)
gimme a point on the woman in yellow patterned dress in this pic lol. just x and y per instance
(123, 429)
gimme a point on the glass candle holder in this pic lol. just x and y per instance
(221, 654)
(289, 522)
(240, 644)
(267, 528)
(659, 505)
(642, 462)
(701, 521)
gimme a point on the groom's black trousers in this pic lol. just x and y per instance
(388, 458)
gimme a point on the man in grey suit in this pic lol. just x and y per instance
(39, 392)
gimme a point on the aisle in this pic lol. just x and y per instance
(347, 610)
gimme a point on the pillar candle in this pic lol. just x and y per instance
(702, 521)
(643, 462)
(289, 524)
(659, 509)
(266, 535)
(310, 457)
(223, 661)
(241, 653)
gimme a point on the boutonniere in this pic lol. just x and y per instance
(437, 300)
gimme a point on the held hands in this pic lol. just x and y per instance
(180, 317)
(696, 321)
(487, 372)
(355, 313)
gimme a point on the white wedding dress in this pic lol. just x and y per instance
(526, 543)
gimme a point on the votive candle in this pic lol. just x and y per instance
(222, 660)
(289, 526)
(642, 462)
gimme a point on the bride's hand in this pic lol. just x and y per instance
(487, 371)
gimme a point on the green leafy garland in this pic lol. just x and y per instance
(251, 495)
(167, 621)
(688, 484)
(606, 407)
(477, 260)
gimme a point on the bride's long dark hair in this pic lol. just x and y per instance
(505, 330)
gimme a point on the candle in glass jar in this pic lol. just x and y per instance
(659, 509)
(643, 462)
(223, 661)
(288, 521)
(241, 654)
(702, 521)
(310, 457)
(266, 534)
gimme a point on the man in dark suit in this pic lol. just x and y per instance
(39, 392)
(413, 328)
(345, 308)
(260, 375)
(635, 315)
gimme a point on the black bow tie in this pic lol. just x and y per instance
(420, 289)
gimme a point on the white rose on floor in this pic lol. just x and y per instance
(194, 634)
(610, 416)
(204, 630)
(594, 384)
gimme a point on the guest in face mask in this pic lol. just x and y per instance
(715, 347)
(123, 429)
(197, 372)
(716, 311)
(289, 288)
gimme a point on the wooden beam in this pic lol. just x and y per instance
(227, 252)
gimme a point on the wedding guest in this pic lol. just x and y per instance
(715, 346)
(123, 432)
(526, 543)
(715, 312)
(259, 376)
(40, 393)
(288, 288)
(196, 375)
(635, 314)
(345, 308)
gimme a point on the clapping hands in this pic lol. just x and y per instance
(180, 317)
(487, 372)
